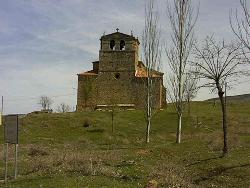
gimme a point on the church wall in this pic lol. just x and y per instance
(117, 61)
(116, 71)
(86, 93)
(140, 92)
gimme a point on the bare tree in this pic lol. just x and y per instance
(220, 63)
(45, 102)
(241, 27)
(151, 54)
(62, 108)
(113, 107)
(191, 87)
(182, 19)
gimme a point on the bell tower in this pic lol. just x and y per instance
(118, 52)
(118, 58)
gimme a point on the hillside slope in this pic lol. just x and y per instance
(236, 98)
(80, 150)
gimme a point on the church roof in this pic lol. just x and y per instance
(89, 73)
(119, 35)
(141, 71)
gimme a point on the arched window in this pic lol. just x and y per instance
(112, 45)
(122, 45)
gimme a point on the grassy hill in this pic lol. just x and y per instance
(235, 98)
(58, 150)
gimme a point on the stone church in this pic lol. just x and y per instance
(118, 78)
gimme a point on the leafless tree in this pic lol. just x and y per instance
(191, 87)
(240, 24)
(113, 108)
(182, 18)
(62, 108)
(220, 63)
(45, 102)
(151, 54)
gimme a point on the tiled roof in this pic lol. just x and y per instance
(91, 72)
(141, 71)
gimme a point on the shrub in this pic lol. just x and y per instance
(37, 152)
(86, 123)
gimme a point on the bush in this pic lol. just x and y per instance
(86, 123)
(37, 152)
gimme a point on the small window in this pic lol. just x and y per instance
(117, 75)
(112, 45)
(122, 45)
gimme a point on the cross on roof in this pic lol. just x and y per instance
(117, 29)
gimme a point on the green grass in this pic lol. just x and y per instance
(56, 150)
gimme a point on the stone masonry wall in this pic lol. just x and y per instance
(140, 92)
(114, 82)
(86, 93)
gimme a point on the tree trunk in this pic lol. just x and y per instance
(189, 111)
(112, 119)
(85, 104)
(148, 128)
(148, 107)
(224, 121)
(180, 84)
(178, 133)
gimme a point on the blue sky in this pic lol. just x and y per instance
(45, 43)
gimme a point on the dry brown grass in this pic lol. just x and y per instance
(172, 176)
